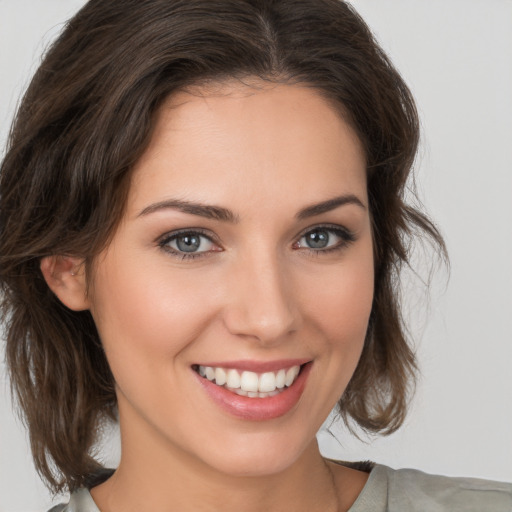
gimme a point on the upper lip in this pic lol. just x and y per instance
(256, 366)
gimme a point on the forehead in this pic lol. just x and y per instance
(213, 141)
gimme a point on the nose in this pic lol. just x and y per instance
(261, 301)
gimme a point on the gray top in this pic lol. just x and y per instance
(390, 490)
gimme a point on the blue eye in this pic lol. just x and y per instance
(188, 244)
(325, 238)
(319, 239)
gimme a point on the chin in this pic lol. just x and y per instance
(253, 467)
(257, 458)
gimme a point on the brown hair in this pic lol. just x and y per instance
(85, 120)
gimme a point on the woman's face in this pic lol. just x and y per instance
(244, 255)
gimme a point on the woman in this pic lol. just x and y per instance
(202, 221)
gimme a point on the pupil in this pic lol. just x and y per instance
(317, 239)
(188, 243)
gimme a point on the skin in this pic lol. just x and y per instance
(256, 292)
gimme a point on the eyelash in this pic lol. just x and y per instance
(346, 236)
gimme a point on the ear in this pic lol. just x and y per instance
(65, 276)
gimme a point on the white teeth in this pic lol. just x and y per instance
(251, 384)
(233, 379)
(267, 382)
(280, 378)
(291, 374)
(220, 376)
(210, 373)
(249, 381)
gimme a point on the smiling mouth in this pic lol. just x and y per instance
(250, 384)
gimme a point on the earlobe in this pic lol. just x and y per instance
(65, 276)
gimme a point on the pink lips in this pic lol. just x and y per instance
(258, 409)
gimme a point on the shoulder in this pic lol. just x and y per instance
(57, 508)
(80, 501)
(410, 489)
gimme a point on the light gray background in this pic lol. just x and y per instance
(457, 57)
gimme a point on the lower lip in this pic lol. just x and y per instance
(257, 409)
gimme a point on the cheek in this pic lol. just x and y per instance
(146, 318)
(144, 314)
(344, 299)
(342, 313)
(338, 320)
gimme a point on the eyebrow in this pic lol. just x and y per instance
(327, 206)
(202, 210)
(225, 215)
